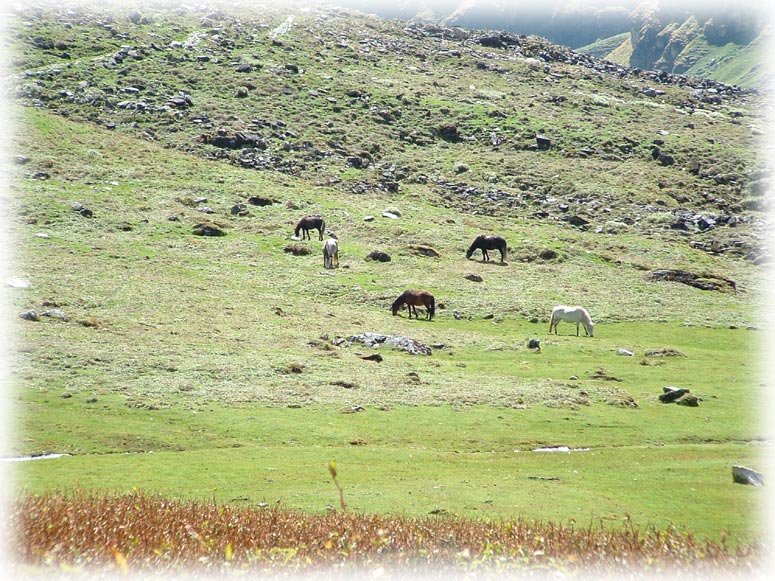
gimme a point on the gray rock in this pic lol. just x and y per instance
(30, 315)
(672, 394)
(743, 475)
(56, 314)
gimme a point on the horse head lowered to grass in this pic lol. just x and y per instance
(486, 242)
(310, 222)
(413, 299)
(578, 315)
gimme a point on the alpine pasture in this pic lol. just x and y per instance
(174, 339)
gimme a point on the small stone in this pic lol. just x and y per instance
(56, 314)
(30, 315)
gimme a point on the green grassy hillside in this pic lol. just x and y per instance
(224, 366)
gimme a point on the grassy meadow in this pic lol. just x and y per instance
(221, 368)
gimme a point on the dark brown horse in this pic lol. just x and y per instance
(413, 299)
(484, 243)
(310, 222)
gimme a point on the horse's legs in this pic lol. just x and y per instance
(485, 256)
(320, 233)
(577, 328)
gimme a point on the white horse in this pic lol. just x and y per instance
(572, 315)
(331, 253)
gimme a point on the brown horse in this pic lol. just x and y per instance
(413, 299)
(310, 222)
(484, 243)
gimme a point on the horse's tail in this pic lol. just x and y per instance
(505, 251)
(432, 307)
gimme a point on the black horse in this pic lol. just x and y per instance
(484, 243)
(413, 299)
(311, 222)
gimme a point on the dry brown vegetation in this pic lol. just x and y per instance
(141, 534)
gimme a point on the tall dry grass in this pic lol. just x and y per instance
(143, 534)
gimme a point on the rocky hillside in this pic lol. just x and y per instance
(486, 122)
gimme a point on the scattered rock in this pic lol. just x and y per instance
(240, 210)
(412, 346)
(543, 142)
(30, 315)
(577, 221)
(534, 344)
(473, 277)
(626, 352)
(689, 400)
(672, 394)
(373, 357)
(55, 314)
(81, 209)
(261, 201)
(449, 132)
(208, 228)
(239, 140)
(743, 475)
(378, 256)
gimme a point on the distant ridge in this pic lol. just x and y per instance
(725, 41)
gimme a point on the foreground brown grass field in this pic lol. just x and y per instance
(140, 534)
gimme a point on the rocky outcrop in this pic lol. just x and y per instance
(667, 40)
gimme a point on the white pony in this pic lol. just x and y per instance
(331, 253)
(572, 315)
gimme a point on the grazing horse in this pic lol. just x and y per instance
(484, 243)
(572, 315)
(413, 299)
(331, 253)
(311, 222)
